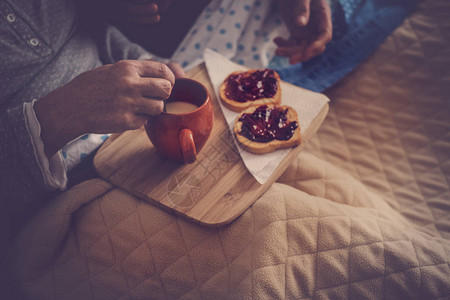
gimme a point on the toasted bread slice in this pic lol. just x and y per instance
(239, 106)
(270, 146)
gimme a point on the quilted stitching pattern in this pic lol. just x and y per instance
(317, 234)
(389, 121)
(289, 244)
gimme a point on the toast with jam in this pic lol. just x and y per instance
(255, 87)
(266, 128)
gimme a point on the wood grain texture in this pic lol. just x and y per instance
(213, 191)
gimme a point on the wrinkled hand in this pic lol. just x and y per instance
(111, 98)
(176, 69)
(310, 27)
(139, 11)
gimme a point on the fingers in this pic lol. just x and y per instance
(157, 88)
(324, 24)
(138, 8)
(311, 39)
(282, 42)
(324, 32)
(163, 5)
(302, 52)
(152, 19)
(313, 50)
(289, 50)
(153, 69)
(142, 85)
(318, 46)
(147, 106)
(134, 121)
(134, 111)
(300, 11)
(140, 13)
(138, 113)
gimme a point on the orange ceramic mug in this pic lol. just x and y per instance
(182, 130)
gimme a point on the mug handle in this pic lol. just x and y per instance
(187, 145)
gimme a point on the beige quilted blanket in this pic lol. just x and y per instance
(363, 213)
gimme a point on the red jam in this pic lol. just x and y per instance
(251, 86)
(265, 125)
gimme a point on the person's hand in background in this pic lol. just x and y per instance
(310, 27)
(135, 11)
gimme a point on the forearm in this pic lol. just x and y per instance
(58, 123)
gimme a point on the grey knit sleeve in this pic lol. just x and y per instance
(21, 177)
(114, 46)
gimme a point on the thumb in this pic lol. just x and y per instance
(300, 10)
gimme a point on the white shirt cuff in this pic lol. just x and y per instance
(54, 169)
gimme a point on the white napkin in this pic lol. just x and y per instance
(307, 104)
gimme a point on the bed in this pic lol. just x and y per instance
(362, 213)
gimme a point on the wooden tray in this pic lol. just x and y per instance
(213, 191)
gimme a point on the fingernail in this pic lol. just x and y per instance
(301, 20)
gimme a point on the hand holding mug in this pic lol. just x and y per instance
(111, 98)
(181, 132)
